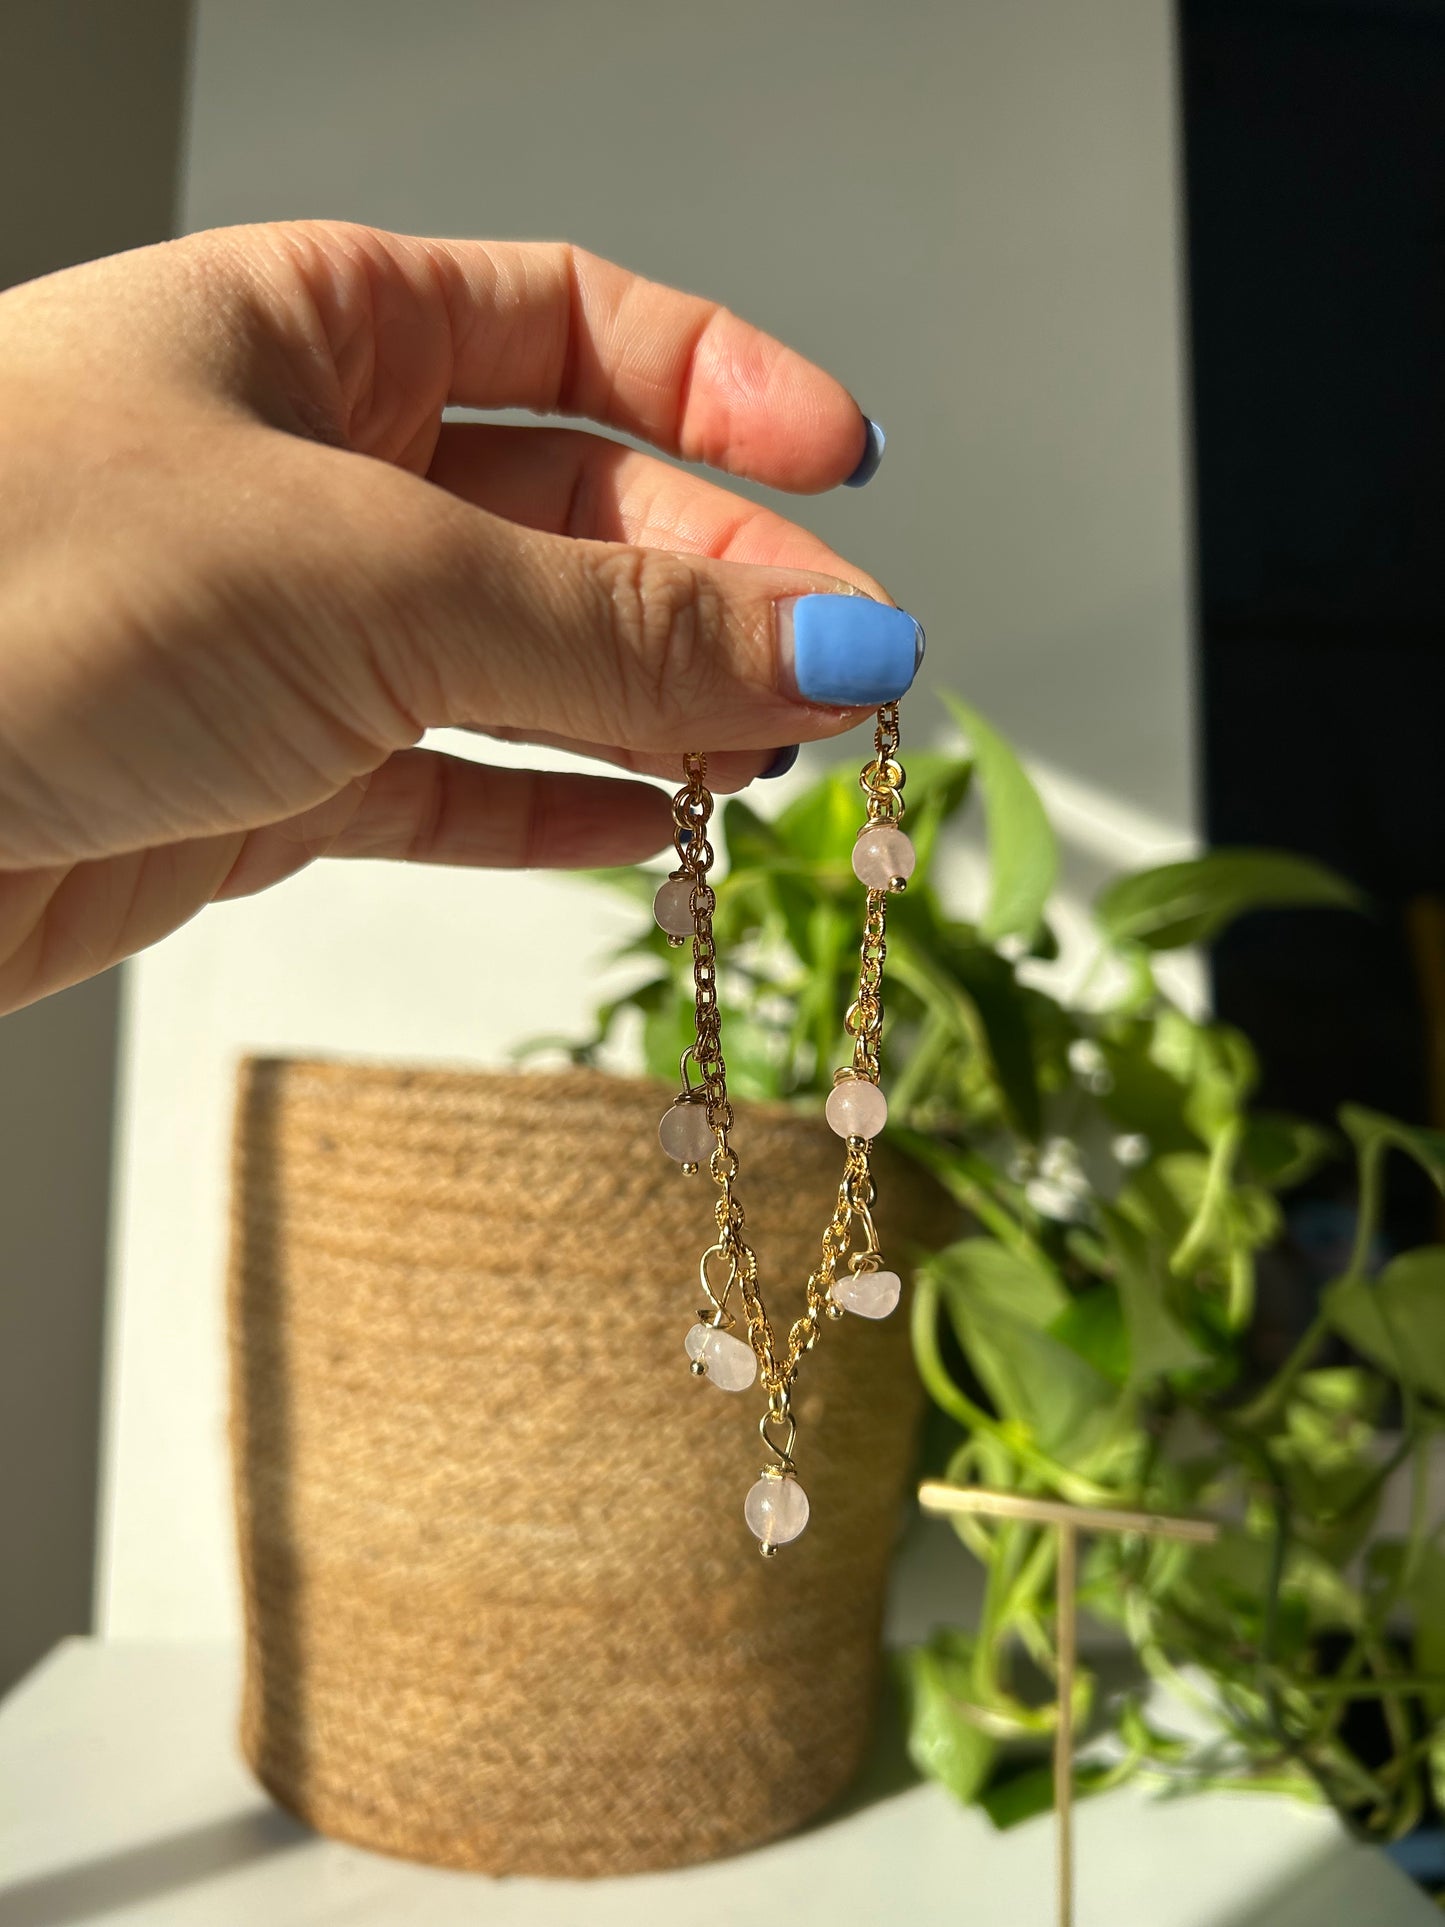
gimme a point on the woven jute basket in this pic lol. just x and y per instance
(502, 1610)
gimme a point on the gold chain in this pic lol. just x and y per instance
(882, 782)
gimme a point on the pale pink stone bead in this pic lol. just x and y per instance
(882, 853)
(685, 1133)
(776, 1509)
(868, 1294)
(856, 1108)
(672, 907)
(727, 1361)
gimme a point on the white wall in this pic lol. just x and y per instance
(968, 210)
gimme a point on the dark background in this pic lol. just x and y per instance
(1315, 184)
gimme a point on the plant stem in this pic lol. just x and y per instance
(1221, 1164)
(1270, 1400)
(1407, 1684)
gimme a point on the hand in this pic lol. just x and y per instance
(244, 565)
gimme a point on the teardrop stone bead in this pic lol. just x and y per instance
(729, 1362)
(685, 1133)
(776, 1509)
(672, 907)
(881, 855)
(868, 1294)
(856, 1108)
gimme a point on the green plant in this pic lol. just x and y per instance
(1087, 1337)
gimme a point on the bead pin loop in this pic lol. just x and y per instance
(695, 1130)
(783, 1454)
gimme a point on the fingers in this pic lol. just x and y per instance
(727, 770)
(564, 482)
(422, 806)
(409, 325)
(617, 644)
(65, 922)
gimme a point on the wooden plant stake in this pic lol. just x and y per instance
(937, 1496)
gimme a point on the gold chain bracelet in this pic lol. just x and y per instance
(697, 1127)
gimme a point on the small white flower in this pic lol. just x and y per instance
(1056, 1200)
(1090, 1066)
(1059, 1158)
(1131, 1148)
(1085, 1057)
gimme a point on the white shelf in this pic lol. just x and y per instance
(123, 1800)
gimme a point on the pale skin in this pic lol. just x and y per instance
(244, 565)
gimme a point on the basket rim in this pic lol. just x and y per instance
(276, 1068)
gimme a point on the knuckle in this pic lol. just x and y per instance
(667, 622)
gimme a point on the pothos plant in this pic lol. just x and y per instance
(1087, 1337)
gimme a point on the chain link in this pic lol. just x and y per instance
(882, 783)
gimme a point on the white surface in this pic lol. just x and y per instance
(970, 213)
(122, 1800)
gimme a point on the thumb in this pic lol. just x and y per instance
(638, 647)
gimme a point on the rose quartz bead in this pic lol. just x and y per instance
(727, 1361)
(672, 907)
(776, 1509)
(882, 853)
(685, 1133)
(868, 1294)
(856, 1108)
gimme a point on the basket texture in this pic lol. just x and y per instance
(502, 1610)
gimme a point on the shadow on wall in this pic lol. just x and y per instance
(274, 1733)
(1340, 1889)
(90, 136)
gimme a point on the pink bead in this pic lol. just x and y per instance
(881, 855)
(868, 1294)
(856, 1108)
(672, 907)
(685, 1133)
(729, 1362)
(776, 1509)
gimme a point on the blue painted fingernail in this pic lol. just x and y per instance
(781, 763)
(873, 449)
(847, 649)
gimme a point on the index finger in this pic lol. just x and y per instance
(547, 326)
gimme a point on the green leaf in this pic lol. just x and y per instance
(666, 1033)
(1093, 1326)
(1191, 902)
(1398, 1322)
(1371, 1131)
(1163, 1198)
(977, 994)
(1023, 1796)
(1023, 855)
(1002, 1007)
(1157, 1343)
(751, 841)
(1326, 1450)
(936, 788)
(943, 1741)
(1280, 1151)
(999, 1280)
(821, 826)
(1425, 1594)
(1000, 1306)
(1214, 1063)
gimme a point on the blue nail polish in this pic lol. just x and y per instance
(781, 763)
(847, 649)
(873, 449)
